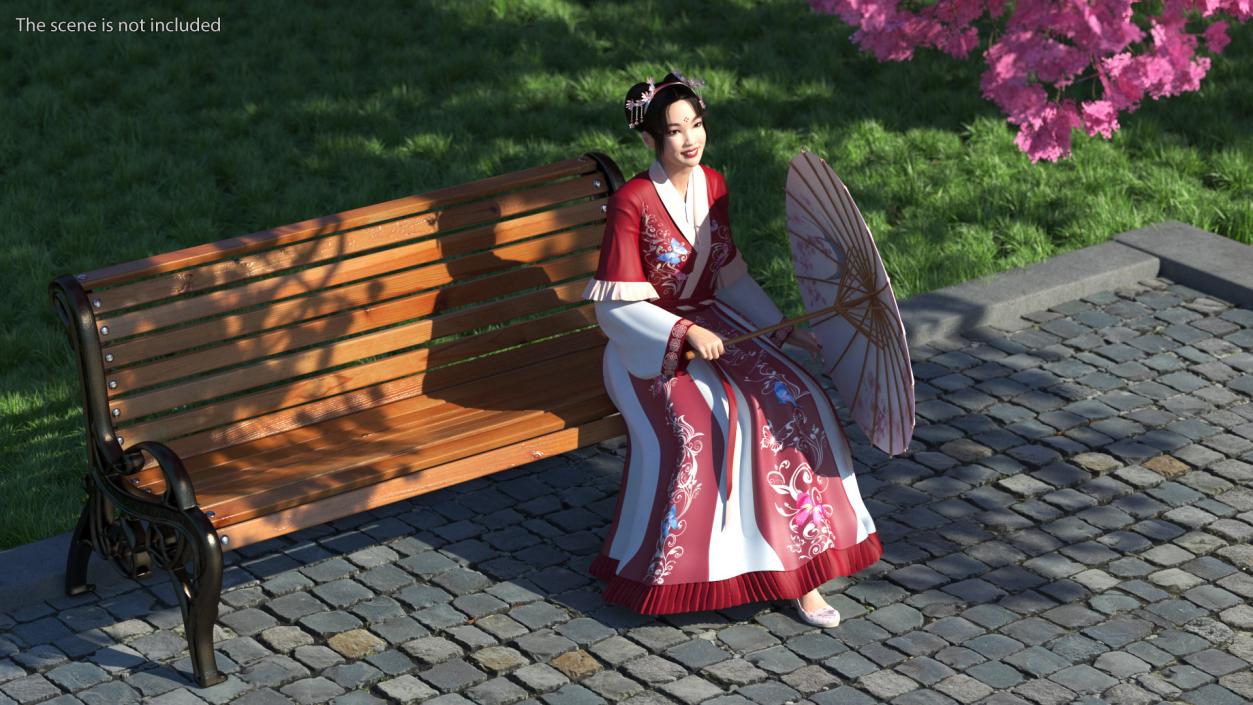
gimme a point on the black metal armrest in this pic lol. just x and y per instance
(178, 488)
(69, 301)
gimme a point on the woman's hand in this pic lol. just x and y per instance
(704, 342)
(805, 340)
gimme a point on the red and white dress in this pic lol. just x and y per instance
(738, 485)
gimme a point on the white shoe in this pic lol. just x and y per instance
(826, 617)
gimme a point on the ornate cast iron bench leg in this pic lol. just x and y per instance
(178, 537)
(139, 534)
(135, 531)
(79, 553)
(198, 594)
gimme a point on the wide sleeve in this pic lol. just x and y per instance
(747, 297)
(620, 273)
(736, 267)
(737, 288)
(648, 339)
(732, 271)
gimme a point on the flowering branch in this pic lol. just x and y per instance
(1053, 43)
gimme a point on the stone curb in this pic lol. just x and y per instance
(1198, 259)
(1001, 299)
(36, 571)
(1195, 258)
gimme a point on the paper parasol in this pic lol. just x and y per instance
(858, 326)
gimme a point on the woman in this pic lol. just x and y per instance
(739, 484)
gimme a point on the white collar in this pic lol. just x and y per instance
(690, 212)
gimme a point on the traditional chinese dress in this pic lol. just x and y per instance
(738, 485)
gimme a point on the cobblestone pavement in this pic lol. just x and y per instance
(1072, 525)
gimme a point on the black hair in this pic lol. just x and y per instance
(654, 122)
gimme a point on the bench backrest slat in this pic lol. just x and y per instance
(344, 321)
(339, 258)
(221, 418)
(186, 307)
(289, 365)
(325, 225)
(294, 311)
(303, 326)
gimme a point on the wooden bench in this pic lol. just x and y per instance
(248, 388)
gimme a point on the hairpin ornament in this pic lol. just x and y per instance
(639, 106)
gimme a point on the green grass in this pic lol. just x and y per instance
(120, 146)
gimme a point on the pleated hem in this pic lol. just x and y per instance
(760, 586)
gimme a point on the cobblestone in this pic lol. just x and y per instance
(1072, 523)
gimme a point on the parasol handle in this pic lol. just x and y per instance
(838, 306)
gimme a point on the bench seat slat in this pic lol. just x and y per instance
(486, 396)
(350, 473)
(346, 220)
(427, 430)
(346, 442)
(412, 484)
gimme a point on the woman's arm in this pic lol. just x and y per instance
(649, 339)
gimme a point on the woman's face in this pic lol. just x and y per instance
(684, 141)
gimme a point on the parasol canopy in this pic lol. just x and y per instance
(855, 317)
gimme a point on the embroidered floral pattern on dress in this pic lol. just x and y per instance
(789, 435)
(682, 491)
(664, 254)
(670, 362)
(793, 435)
(810, 534)
(799, 431)
(803, 507)
(768, 440)
(720, 246)
(674, 256)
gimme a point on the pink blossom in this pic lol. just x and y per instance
(1047, 46)
(1100, 116)
(1017, 99)
(1123, 78)
(1172, 70)
(1209, 7)
(1216, 37)
(1102, 27)
(1048, 137)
